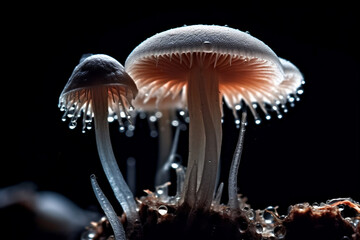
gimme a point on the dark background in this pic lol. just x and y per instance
(310, 155)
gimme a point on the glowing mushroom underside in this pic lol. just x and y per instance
(206, 63)
(98, 88)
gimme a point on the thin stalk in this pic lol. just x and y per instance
(121, 190)
(232, 187)
(119, 232)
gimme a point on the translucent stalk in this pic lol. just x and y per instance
(165, 137)
(119, 232)
(233, 189)
(121, 190)
(163, 174)
(218, 194)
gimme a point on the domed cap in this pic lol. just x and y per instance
(96, 72)
(247, 68)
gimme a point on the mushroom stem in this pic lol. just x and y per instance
(165, 137)
(121, 190)
(119, 232)
(233, 196)
(205, 132)
(163, 173)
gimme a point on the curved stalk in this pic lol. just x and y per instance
(163, 173)
(121, 190)
(119, 232)
(232, 187)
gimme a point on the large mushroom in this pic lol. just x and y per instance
(99, 88)
(207, 63)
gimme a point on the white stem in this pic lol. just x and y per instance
(165, 136)
(218, 194)
(119, 232)
(205, 133)
(106, 154)
(233, 190)
(163, 173)
(180, 178)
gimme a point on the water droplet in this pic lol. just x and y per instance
(152, 119)
(123, 114)
(279, 116)
(300, 91)
(268, 215)
(341, 207)
(280, 231)
(237, 107)
(175, 123)
(110, 119)
(250, 214)
(207, 46)
(182, 113)
(174, 165)
(258, 227)
(72, 124)
(162, 209)
(158, 114)
(63, 118)
(267, 117)
(257, 121)
(122, 129)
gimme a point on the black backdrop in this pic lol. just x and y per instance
(312, 154)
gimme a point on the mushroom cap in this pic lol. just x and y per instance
(99, 70)
(248, 69)
(293, 77)
(202, 38)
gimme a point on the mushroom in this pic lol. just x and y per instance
(100, 88)
(206, 63)
(163, 111)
